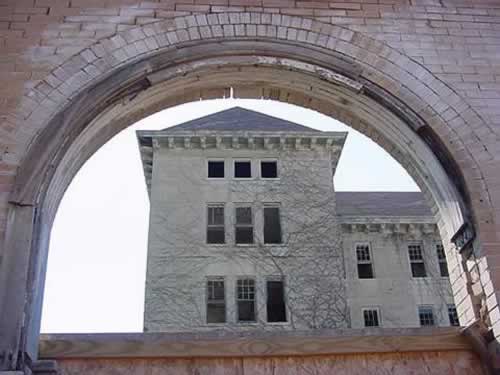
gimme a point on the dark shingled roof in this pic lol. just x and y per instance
(238, 118)
(351, 203)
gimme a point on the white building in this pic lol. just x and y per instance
(247, 232)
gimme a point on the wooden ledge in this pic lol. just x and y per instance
(231, 344)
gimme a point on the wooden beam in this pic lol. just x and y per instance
(230, 344)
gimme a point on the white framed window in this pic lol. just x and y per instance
(371, 316)
(269, 169)
(426, 315)
(242, 169)
(416, 256)
(364, 261)
(272, 224)
(216, 168)
(441, 256)
(245, 300)
(243, 227)
(216, 233)
(216, 299)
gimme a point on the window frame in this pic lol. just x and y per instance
(269, 160)
(207, 169)
(285, 299)
(215, 278)
(236, 225)
(358, 262)
(255, 310)
(431, 307)
(243, 160)
(272, 205)
(422, 251)
(442, 260)
(379, 316)
(207, 226)
(452, 306)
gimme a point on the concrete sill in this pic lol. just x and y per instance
(248, 344)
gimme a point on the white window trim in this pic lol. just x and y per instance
(215, 178)
(277, 169)
(356, 244)
(421, 244)
(434, 316)
(216, 204)
(243, 204)
(238, 160)
(216, 278)
(379, 315)
(256, 307)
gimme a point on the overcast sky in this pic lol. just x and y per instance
(97, 259)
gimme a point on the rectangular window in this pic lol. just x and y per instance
(453, 316)
(417, 260)
(443, 266)
(272, 225)
(426, 316)
(242, 169)
(276, 310)
(363, 255)
(216, 300)
(216, 169)
(244, 225)
(370, 317)
(245, 298)
(268, 169)
(215, 224)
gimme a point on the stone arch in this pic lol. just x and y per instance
(322, 66)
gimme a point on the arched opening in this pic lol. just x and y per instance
(264, 68)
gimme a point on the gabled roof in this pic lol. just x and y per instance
(240, 119)
(350, 203)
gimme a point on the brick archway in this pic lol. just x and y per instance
(327, 68)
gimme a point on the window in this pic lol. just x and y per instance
(216, 301)
(453, 316)
(365, 268)
(443, 267)
(215, 224)
(268, 169)
(416, 261)
(276, 310)
(245, 298)
(426, 316)
(242, 169)
(272, 225)
(216, 169)
(370, 317)
(244, 225)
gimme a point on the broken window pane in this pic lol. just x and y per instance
(276, 310)
(272, 225)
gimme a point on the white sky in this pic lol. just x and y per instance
(97, 258)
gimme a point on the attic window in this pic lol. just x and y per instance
(216, 169)
(242, 169)
(269, 169)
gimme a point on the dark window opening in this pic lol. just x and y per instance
(269, 169)
(453, 316)
(216, 304)
(272, 225)
(365, 268)
(242, 169)
(216, 169)
(443, 266)
(244, 225)
(426, 316)
(215, 225)
(276, 310)
(371, 318)
(417, 264)
(245, 293)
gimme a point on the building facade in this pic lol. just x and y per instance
(246, 231)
